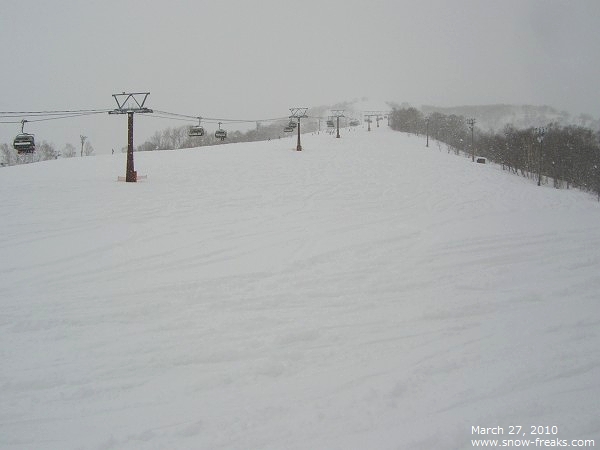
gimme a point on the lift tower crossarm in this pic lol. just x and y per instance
(131, 102)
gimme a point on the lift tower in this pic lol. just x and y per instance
(471, 123)
(298, 113)
(368, 115)
(337, 113)
(130, 103)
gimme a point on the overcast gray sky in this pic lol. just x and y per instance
(256, 59)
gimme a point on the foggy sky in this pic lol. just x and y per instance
(254, 60)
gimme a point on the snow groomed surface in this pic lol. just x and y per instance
(365, 293)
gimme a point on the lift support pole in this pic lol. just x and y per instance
(471, 123)
(298, 113)
(369, 120)
(130, 174)
(337, 113)
(130, 103)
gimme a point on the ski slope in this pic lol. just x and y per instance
(365, 293)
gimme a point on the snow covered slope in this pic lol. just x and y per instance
(365, 293)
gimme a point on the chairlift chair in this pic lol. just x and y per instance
(196, 130)
(24, 143)
(288, 129)
(220, 133)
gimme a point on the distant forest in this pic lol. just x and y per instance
(177, 137)
(566, 155)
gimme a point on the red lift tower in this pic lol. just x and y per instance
(130, 103)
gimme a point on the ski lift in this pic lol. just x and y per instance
(288, 129)
(220, 134)
(24, 142)
(330, 123)
(196, 130)
(354, 123)
(292, 124)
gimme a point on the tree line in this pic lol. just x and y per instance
(44, 151)
(174, 138)
(171, 138)
(567, 156)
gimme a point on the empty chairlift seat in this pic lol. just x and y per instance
(220, 134)
(196, 130)
(24, 143)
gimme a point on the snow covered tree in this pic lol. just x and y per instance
(8, 155)
(46, 151)
(69, 151)
(146, 147)
(88, 149)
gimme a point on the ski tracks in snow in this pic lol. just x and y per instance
(352, 295)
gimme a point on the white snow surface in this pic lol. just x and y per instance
(364, 293)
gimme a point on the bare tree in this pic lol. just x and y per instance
(89, 149)
(69, 151)
(46, 151)
(83, 138)
(8, 155)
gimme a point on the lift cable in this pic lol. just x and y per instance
(9, 114)
(41, 118)
(68, 116)
(159, 116)
(217, 120)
